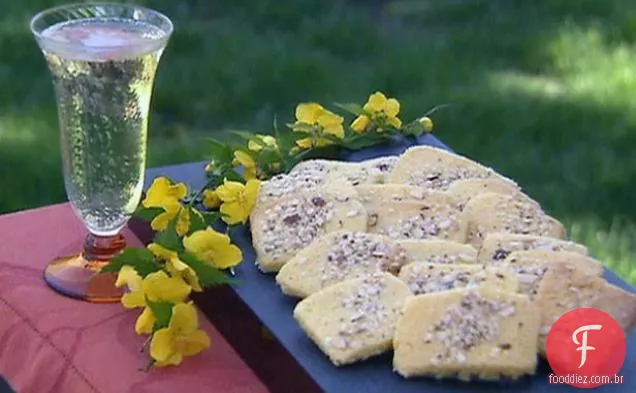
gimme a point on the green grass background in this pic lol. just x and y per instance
(542, 90)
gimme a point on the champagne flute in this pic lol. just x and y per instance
(103, 59)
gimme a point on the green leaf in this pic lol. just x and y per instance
(243, 134)
(168, 237)
(220, 151)
(233, 175)
(162, 312)
(147, 213)
(141, 259)
(415, 128)
(211, 217)
(207, 274)
(197, 221)
(352, 108)
(302, 127)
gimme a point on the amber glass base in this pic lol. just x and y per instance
(78, 276)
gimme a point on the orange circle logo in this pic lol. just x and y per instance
(586, 348)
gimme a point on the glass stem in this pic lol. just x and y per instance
(100, 250)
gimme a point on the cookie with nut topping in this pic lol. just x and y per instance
(531, 265)
(354, 319)
(401, 212)
(467, 333)
(437, 169)
(498, 245)
(307, 178)
(373, 171)
(438, 251)
(465, 189)
(565, 287)
(283, 227)
(488, 213)
(339, 256)
(423, 278)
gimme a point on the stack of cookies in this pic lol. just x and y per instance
(431, 255)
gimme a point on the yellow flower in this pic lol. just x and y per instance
(162, 193)
(427, 123)
(181, 338)
(360, 124)
(159, 287)
(175, 266)
(248, 163)
(135, 296)
(238, 200)
(380, 109)
(210, 199)
(322, 121)
(214, 248)
(145, 322)
(268, 140)
(161, 222)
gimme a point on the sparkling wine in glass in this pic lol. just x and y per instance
(103, 59)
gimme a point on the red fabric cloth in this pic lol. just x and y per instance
(50, 343)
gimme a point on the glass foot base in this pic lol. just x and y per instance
(78, 276)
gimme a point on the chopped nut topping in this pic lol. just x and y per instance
(435, 179)
(309, 175)
(471, 322)
(355, 253)
(291, 225)
(421, 281)
(368, 312)
(429, 223)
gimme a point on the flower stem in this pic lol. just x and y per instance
(145, 344)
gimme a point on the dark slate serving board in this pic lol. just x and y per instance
(261, 294)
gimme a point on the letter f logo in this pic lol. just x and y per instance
(584, 347)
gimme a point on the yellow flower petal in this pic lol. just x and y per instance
(177, 267)
(161, 252)
(360, 124)
(304, 143)
(336, 130)
(194, 343)
(213, 247)
(128, 276)
(308, 112)
(375, 103)
(145, 322)
(161, 345)
(184, 320)
(256, 145)
(394, 121)
(229, 190)
(427, 123)
(244, 159)
(161, 222)
(183, 222)
(133, 299)
(163, 192)
(234, 213)
(159, 287)
(391, 107)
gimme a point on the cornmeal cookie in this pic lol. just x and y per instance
(531, 265)
(465, 189)
(497, 246)
(434, 168)
(303, 179)
(467, 333)
(490, 212)
(393, 211)
(354, 319)
(438, 251)
(425, 278)
(339, 256)
(283, 227)
(565, 287)
(373, 171)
